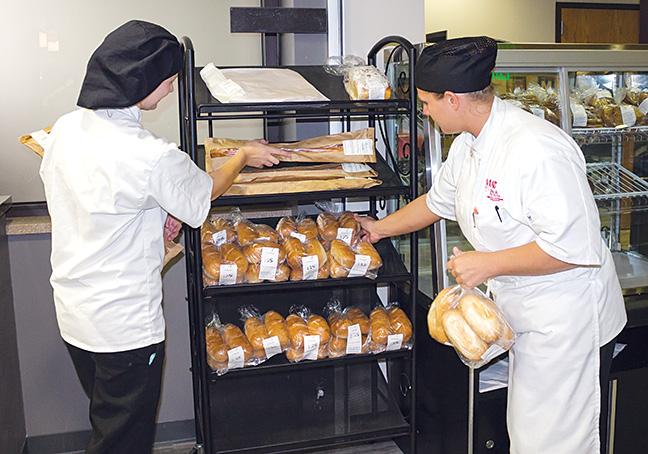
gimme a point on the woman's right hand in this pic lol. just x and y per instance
(369, 229)
(258, 154)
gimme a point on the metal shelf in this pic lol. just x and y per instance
(588, 136)
(611, 181)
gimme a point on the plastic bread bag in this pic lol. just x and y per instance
(264, 345)
(267, 262)
(218, 230)
(339, 66)
(366, 83)
(299, 336)
(301, 227)
(361, 261)
(350, 329)
(391, 329)
(315, 341)
(227, 347)
(470, 322)
(275, 325)
(337, 225)
(223, 265)
(247, 232)
(307, 260)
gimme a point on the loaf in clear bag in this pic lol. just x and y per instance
(264, 344)
(366, 82)
(309, 334)
(350, 329)
(227, 347)
(391, 329)
(470, 322)
(347, 261)
(223, 265)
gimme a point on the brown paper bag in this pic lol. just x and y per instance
(280, 187)
(171, 250)
(32, 144)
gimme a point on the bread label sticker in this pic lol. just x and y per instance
(376, 91)
(492, 352)
(579, 116)
(41, 137)
(310, 266)
(271, 346)
(538, 112)
(643, 107)
(352, 167)
(358, 147)
(299, 236)
(269, 263)
(228, 274)
(360, 266)
(235, 358)
(311, 346)
(345, 235)
(628, 116)
(394, 342)
(354, 340)
(219, 237)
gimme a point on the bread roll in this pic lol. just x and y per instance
(308, 228)
(336, 270)
(400, 323)
(253, 251)
(462, 337)
(347, 220)
(441, 303)
(337, 347)
(234, 338)
(212, 260)
(267, 233)
(294, 355)
(216, 348)
(295, 250)
(339, 326)
(380, 326)
(318, 326)
(314, 247)
(256, 332)
(357, 317)
(245, 232)
(482, 316)
(283, 273)
(275, 325)
(323, 351)
(286, 226)
(297, 329)
(327, 226)
(342, 254)
(232, 254)
(252, 274)
(366, 248)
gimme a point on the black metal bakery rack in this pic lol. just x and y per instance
(279, 406)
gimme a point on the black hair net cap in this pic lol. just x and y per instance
(129, 64)
(461, 65)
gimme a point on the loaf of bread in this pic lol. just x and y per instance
(461, 335)
(380, 326)
(212, 260)
(308, 228)
(366, 82)
(234, 338)
(275, 325)
(327, 225)
(342, 254)
(222, 224)
(295, 250)
(245, 232)
(256, 332)
(339, 325)
(366, 248)
(336, 270)
(482, 316)
(216, 348)
(400, 323)
(253, 251)
(317, 325)
(357, 317)
(297, 329)
(230, 253)
(337, 347)
(286, 226)
(439, 306)
(267, 233)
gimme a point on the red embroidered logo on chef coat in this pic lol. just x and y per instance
(491, 190)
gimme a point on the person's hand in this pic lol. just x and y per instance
(171, 228)
(369, 231)
(468, 268)
(258, 154)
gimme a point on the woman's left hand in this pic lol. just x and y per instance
(171, 228)
(468, 268)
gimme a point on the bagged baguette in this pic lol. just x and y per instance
(470, 322)
(264, 344)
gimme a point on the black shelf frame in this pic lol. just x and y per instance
(195, 105)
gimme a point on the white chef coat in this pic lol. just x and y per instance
(109, 184)
(523, 180)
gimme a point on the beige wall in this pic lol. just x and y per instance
(510, 20)
(38, 85)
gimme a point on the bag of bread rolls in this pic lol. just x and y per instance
(308, 259)
(223, 265)
(470, 322)
(361, 261)
(391, 329)
(264, 344)
(350, 329)
(275, 325)
(218, 230)
(248, 232)
(227, 347)
(333, 225)
(315, 342)
(216, 349)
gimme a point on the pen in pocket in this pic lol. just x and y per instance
(498, 213)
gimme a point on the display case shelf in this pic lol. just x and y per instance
(588, 136)
(611, 181)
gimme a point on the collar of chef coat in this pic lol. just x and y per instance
(479, 144)
(128, 114)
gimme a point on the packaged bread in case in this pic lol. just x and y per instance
(366, 83)
(227, 347)
(217, 231)
(391, 329)
(223, 265)
(276, 325)
(350, 329)
(248, 232)
(307, 260)
(341, 226)
(267, 262)
(302, 228)
(470, 322)
(314, 340)
(345, 261)
(264, 344)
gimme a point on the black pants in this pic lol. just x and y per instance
(124, 390)
(604, 378)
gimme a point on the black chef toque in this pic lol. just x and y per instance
(129, 65)
(461, 65)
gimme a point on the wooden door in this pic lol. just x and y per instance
(597, 23)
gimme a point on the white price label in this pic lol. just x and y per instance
(394, 342)
(538, 112)
(271, 346)
(360, 266)
(299, 236)
(269, 263)
(310, 267)
(579, 116)
(41, 137)
(376, 91)
(219, 238)
(492, 352)
(311, 346)
(628, 116)
(353, 167)
(235, 358)
(354, 340)
(358, 147)
(345, 235)
(228, 274)
(643, 107)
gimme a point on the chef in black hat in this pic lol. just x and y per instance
(115, 192)
(517, 186)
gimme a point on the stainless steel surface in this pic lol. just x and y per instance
(471, 410)
(612, 420)
(611, 181)
(587, 136)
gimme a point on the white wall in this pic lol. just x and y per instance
(37, 85)
(510, 20)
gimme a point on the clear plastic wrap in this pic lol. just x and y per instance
(366, 83)
(275, 325)
(340, 225)
(227, 347)
(391, 329)
(264, 344)
(309, 343)
(470, 322)
(307, 260)
(361, 260)
(350, 329)
(223, 265)
(218, 230)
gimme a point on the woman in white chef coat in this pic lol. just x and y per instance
(114, 190)
(517, 186)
